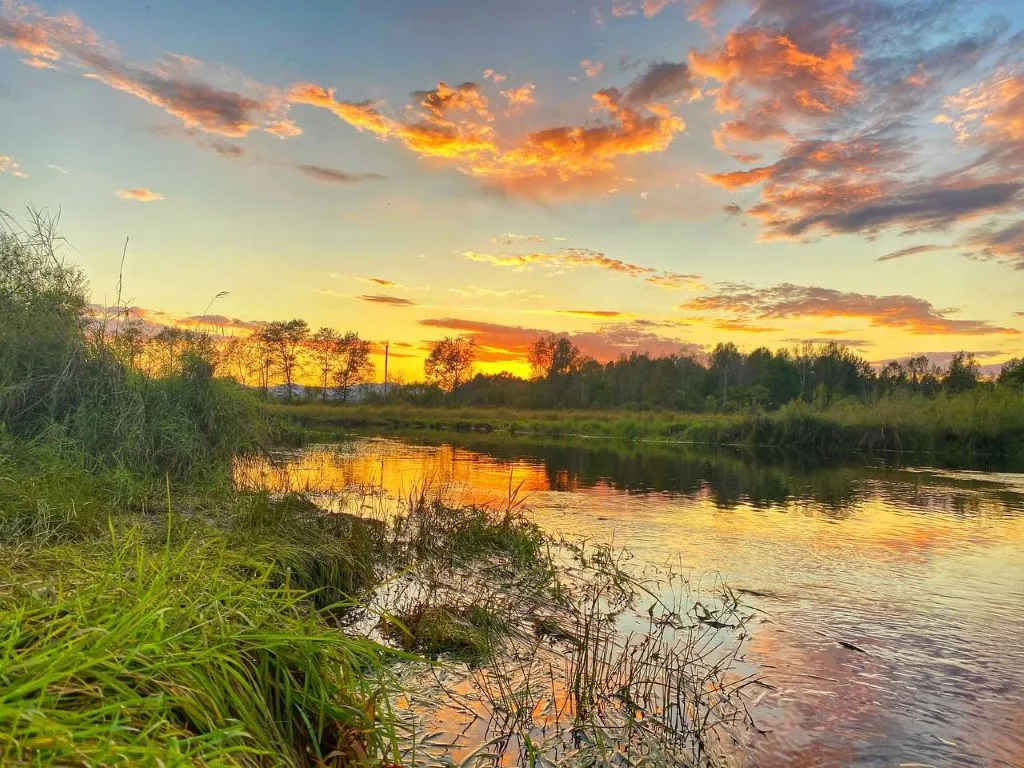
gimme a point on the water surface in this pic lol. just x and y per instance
(922, 569)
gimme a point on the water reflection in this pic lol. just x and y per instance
(921, 568)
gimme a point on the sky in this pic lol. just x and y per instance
(650, 175)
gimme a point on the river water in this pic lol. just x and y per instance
(921, 569)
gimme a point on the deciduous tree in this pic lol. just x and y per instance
(450, 363)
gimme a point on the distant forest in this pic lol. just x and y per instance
(276, 357)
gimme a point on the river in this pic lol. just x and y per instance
(921, 569)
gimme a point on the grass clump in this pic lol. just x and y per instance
(434, 530)
(176, 655)
(462, 633)
(331, 556)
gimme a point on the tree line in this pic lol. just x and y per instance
(726, 379)
(275, 357)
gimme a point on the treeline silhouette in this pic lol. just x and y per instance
(726, 379)
(277, 356)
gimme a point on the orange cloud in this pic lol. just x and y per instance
(787, 301)
(991, 111)
(176, 84)
(592, 68)
(989, 117)
(594, 313)
(649, 8)
(859, 186)
(455, 123)
(141, 194)
(572, 258)
(768, 79)
(703, 11)
(429, 132)
(520, 97)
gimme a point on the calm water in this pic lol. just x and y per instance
(921, 568)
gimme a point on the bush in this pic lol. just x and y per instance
(68, 375)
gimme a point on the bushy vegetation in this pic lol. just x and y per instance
(68, 375)
(726, 381)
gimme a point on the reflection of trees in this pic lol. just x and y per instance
(728, 478)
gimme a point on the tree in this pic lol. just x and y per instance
(726, 365)
(324, 346)
(450, 363)
(283, 340)
(354, 364)
(553, 355)
(165, 349)
(1012, 373)
(962, 373)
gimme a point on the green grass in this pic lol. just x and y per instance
(135, 652)
(984, 421)
(462, 633)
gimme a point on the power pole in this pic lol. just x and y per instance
(387, 344)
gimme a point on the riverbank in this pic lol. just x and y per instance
(192, 624)
(207, 629)
(984, 423)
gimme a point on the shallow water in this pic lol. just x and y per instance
(922, 569)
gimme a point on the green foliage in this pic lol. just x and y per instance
(42, 341)
(126, 653)
(463, 633)
(69, 375)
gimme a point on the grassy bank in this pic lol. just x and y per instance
(154, 613)
(211, 631)
(981, 422)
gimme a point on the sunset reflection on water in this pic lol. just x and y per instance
(922, 569)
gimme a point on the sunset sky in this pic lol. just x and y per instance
(657, 175)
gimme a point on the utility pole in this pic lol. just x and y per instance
(387, 344)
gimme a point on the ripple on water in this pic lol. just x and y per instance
(921, 568)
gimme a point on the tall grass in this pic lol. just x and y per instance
(135, 654)
(66, 375)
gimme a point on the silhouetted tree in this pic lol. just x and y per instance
(450, 363)
(962, 373)
(553, 355)
(354, 365)
(1012, 373)
(726, 367)
(282, 342)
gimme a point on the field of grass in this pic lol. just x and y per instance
(984, 422)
